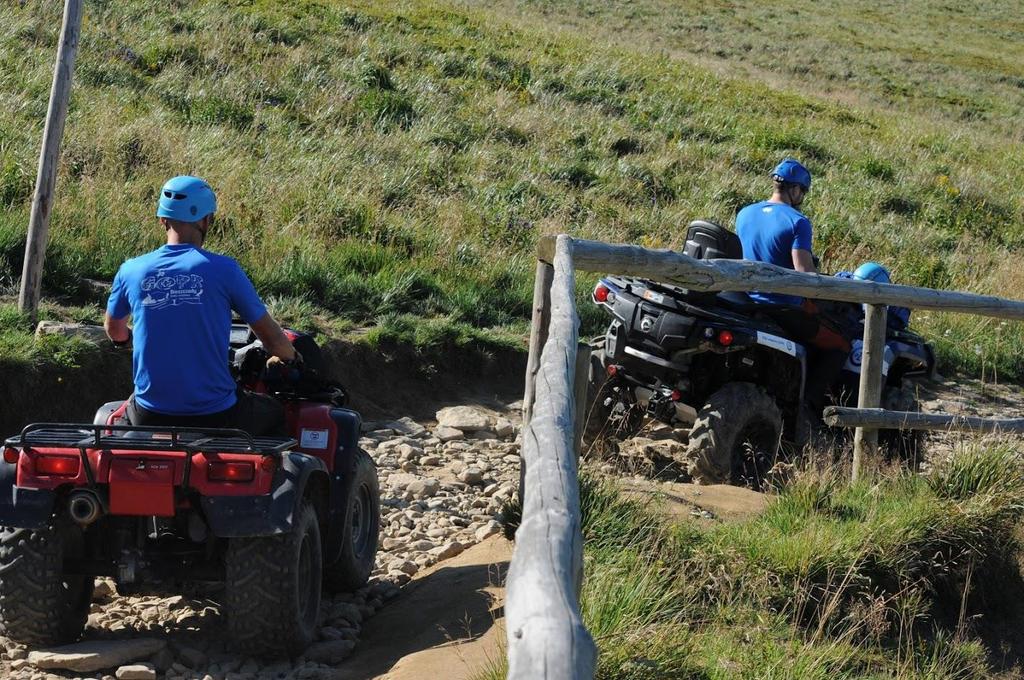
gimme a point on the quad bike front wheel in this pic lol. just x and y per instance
(735, 438)
(361, 530)
(40, 605)
(273, 588)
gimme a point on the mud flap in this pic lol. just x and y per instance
(274, 513)
(23, 508)
(348, 424)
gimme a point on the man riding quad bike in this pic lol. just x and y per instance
(720, 366)
(234, 463)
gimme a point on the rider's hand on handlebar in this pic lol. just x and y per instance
(279, 362)
(285, 369)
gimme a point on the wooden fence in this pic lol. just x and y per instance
(546, 636)
(46, 178)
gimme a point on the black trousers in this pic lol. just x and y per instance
(822, 328)
(257, 414)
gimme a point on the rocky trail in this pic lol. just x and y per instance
(432, 607)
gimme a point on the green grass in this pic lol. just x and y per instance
(960, 63)
(883, 578)
(376, 159)
(20, 348)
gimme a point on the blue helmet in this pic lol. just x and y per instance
(187, 199)
(791, 170)
(872, 271)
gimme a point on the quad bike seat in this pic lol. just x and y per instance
(708, 241)
(740, 302)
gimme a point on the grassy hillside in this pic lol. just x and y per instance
(382, 163)
(960, 61)
(894, 577)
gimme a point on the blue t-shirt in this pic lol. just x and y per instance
(180, 298)
(769, 233)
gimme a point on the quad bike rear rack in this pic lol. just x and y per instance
(178, 438)
(189, 440)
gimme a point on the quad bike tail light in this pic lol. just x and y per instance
(725, 338)
(612, 370)
(601, 293)
(231, 472)
(11, 455)
(57, 466)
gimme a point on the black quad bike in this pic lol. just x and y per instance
(273, 519)
(717, 365)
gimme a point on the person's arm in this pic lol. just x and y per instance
(247, 303)
(115, 321)
(117, 329)
(273, 338)
(803, 261)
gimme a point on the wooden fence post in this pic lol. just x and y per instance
(581, 380)
(46, 179)
(538, 332)
(865, 439)
(538, 336)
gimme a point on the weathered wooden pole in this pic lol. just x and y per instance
(837, 416)
(865, 439)
(545, 632)
(538, 332)
(743, 275)
(46, 179)
(580, 381)
(538, 336)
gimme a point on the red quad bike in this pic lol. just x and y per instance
(274, 519)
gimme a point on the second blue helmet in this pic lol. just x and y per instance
(187, 199)
(872, 271)
(792, 170)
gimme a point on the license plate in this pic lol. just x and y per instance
(656, 298)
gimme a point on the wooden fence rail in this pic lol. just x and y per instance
(837, 416)
(546, 636)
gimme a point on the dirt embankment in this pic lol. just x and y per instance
(381, 381)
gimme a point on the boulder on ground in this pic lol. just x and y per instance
(139, 671)
(423, 488)
(465, 418)
(449, 434)
(86, 657)
(653, 449)
(90, 332)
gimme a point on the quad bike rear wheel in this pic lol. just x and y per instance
(735, 437)
(273, 588)
(606, 424)
(40, 605)
(361, 530)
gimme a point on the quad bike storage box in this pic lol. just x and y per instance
(140, 486)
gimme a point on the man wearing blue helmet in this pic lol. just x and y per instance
(180, 298)
(776, 232)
